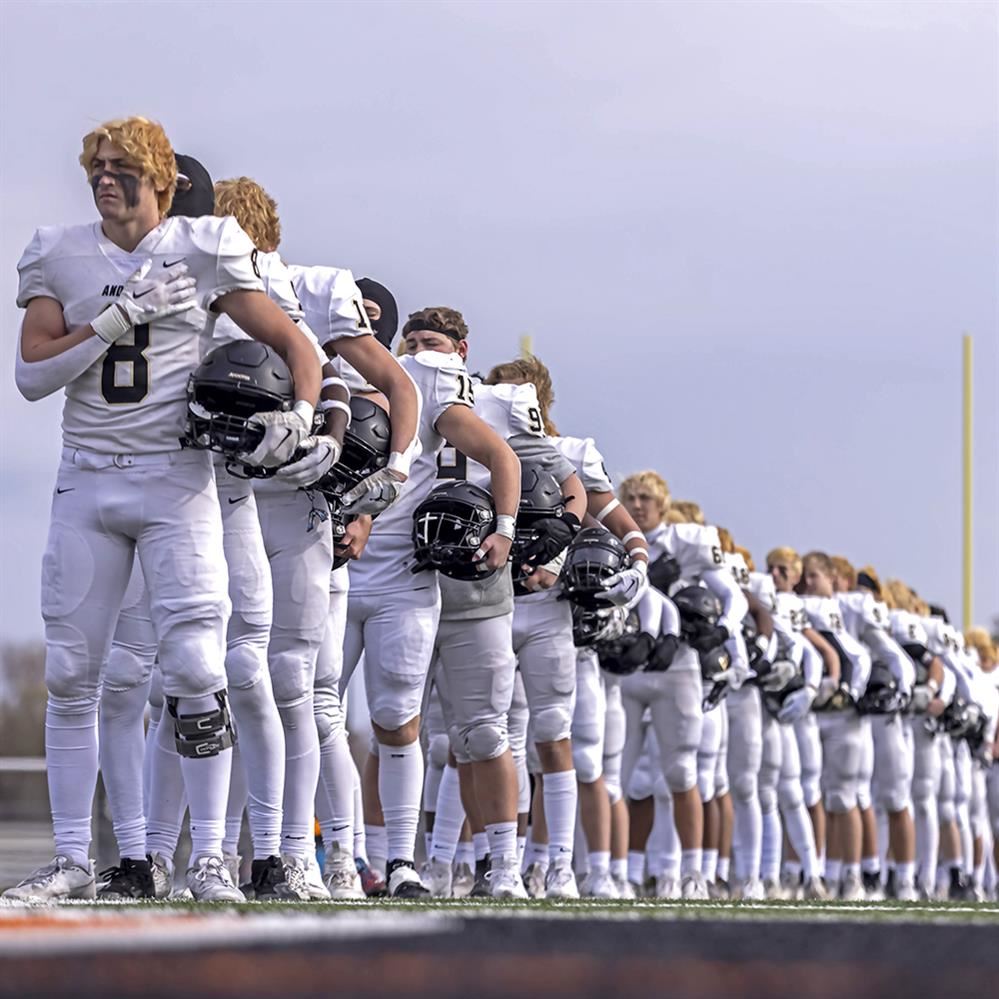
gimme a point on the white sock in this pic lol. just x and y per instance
(636, 866)
(905, 873)
(690, 862)
(502, 838)
(521, 847)
(301, 778)
(870, 865)
(802, 837)
(428, 842)
(400, 784)
(71, 765)
(122, 749)
(449, 817)
(360, 840)
(262, 749)
(236, 804)
(599, 861)
(431, 783)
(335, 798)
(167, 798)
(619, 868)
(709, 865)
(851, 871)
(793, 869)
(724, 867)
(536, 853)
(560, 797)
(155, 713)
(480, 844)
(747, 834)
(834, 871)
(465, 853)
(377, 843)
(773, 841)
(206, 784)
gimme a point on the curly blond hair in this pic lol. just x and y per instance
(845, 571)
(650, 481)
(148, 149)
(692, 512)
(747, 557)
(901, 597)
(437, 319)
(785, 556)
(529, 369)
(253, 208)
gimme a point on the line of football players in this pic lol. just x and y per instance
(583, 691)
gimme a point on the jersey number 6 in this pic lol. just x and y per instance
(131, 354)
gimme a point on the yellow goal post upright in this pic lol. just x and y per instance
(526, 345)
(967, 532)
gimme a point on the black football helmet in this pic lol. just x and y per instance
(714, 661)
(592, 626)
(448, 528)
(882, 696)
(540, 499)
(338, 522)
(773, 700)
(366, 448)
(594, 555)
(629, 651)
(233, 383)
(699, 611)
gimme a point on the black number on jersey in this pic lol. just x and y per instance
(363, 323)
(716, 555)
(535, 423)
(835, 622)
(451, 464)
(465, 392)
(253, 262)
(132, 355)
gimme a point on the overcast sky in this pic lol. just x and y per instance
(746, 237)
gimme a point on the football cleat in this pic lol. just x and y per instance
(719, 889)
(791, 883)
(162, 871)
(55, 882)
(534, 881)
(693, 888)
(560, 882)
(504, 880)
(814, 890)
(481, 889)
(269, 882)
(209, 881)
(599, 884)
(667, 887)
(852, 889)
(750, 891)
(372, 883)
(439, 877)
(871, 881)
(341, 877)
(232, 862)
(905, 891)
(303, 876)
(462, 880)
(404, 882)
(625, 889)
(774, 891)
(130, 879)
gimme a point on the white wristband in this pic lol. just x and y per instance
(506, 525)
(399, 462)
(641, 566)
(111, 324)
(325, 405)
(306, 411)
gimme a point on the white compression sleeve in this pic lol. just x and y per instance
(37, 379)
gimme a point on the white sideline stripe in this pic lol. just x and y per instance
(163, 932)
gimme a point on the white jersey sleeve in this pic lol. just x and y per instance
(696, 549)
(443, 382)
(737, 566)
(331, 301)
(132, 400)
(589, 462)
(511, 410)
(761, 585)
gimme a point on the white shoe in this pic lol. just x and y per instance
(792, 887)
(625, 889)
(599, 884)
(232, 862)
(404, 882)
(163, 871)
(304, 878)
(55, 882)
(438, 878)
(693, 888)
(852, 889)
(560, 882)
(905, 891)
(340, 877)
(209, 881)
(814, 890)
(667, 887)
(534, 881)
(504, 879)
(751, 891)
(774, 891)
(462, 880)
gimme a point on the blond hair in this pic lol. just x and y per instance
(821, 561)
(727, 544)
(533, 370)
(746, 557)
(675, 516)
(692, 511)
(784, 556)
(148, 149)
(253, 208)
(843, 568)
(901, 596)
(981, 641)
(652, 482)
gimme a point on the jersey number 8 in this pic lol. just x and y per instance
(131, 354)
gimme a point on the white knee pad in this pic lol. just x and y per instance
(681, 771)
(246, 652)
(706, 776)
(328, 711)
(863, 795)
(437, 750)
(587, 752)
(552, 723)
(895, 798)
(485, 740)
(744, 786)
(768, 799)
(789, 794)
(841, 799)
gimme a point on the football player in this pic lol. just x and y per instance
(111, 317)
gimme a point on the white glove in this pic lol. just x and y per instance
(796, 705)
(322, 452)
(780, 675)
(372, 495)
(827, 687)
(922, 694)
(283, 433)
(144, 300)
(625, 588)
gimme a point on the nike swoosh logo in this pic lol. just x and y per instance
(68, 489)
(141, 294)
(238, 499)
(173, 263)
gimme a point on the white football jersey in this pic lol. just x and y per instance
(761, 585)
(442, 381)
(826, 616)
(696, 549)
(134, 398)
(907, 629)
(589, 462)
(861, 611)
(791, 608)
(331, 301)
(740, 571)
